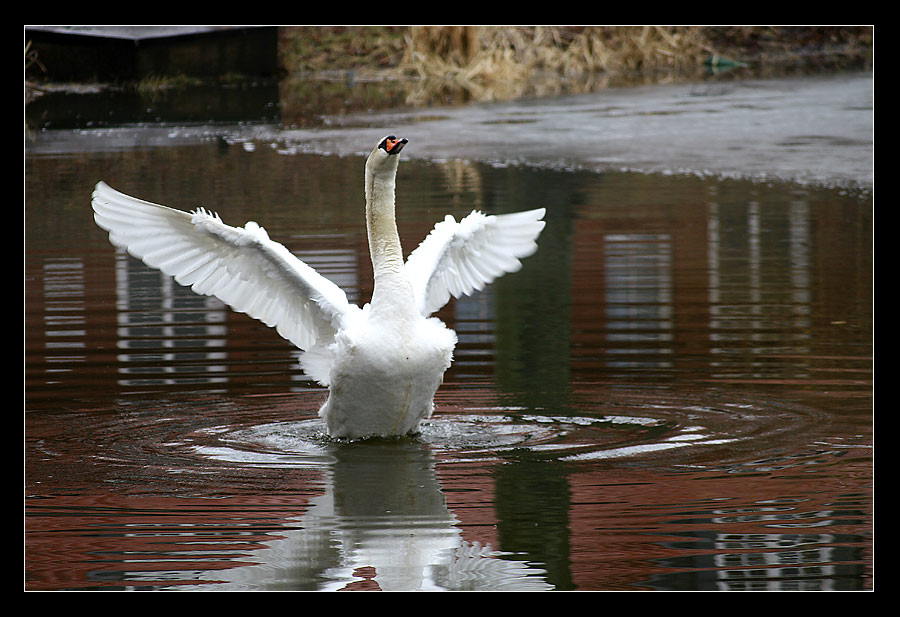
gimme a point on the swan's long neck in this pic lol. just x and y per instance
(392, 289)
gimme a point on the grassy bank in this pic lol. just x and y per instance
(498, 62)
(329, 71)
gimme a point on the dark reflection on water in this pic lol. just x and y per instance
(674, 393)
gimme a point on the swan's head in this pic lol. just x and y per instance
(383, 156)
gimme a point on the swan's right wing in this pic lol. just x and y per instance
(239, 265)
(459, 258)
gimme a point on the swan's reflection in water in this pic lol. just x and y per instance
(382, 523)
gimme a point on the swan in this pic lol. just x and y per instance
(382, 363)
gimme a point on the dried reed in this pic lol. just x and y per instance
(499, 62)
(502, 62)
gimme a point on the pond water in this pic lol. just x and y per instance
(674, 393)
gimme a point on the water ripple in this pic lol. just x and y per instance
(661, 427)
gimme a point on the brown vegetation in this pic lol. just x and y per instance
(498, 62)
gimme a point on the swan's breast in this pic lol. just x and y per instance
(395, 352)
(383, 380)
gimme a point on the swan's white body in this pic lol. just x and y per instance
(383, 362)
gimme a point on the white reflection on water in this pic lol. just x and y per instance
(381, 519)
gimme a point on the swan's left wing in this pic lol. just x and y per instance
(459, 258)
(239, 265)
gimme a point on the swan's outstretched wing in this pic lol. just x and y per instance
(458, 258)
(240, 266)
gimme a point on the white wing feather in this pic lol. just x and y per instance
(459, 258)
(240, 266)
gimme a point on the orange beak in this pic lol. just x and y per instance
(393, 146)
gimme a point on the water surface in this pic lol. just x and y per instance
(674, 393)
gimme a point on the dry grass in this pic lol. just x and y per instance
(305, 49)
(502, 62)
(483, 52)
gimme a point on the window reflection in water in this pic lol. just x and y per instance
(759, 289)
(167, 334)
(638, 299)
(64, 312)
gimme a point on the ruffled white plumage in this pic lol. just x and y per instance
(371, 360)
(460, 258)
(241, 266)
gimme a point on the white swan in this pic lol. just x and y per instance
(382, 363)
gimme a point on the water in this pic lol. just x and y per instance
(674, 393)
